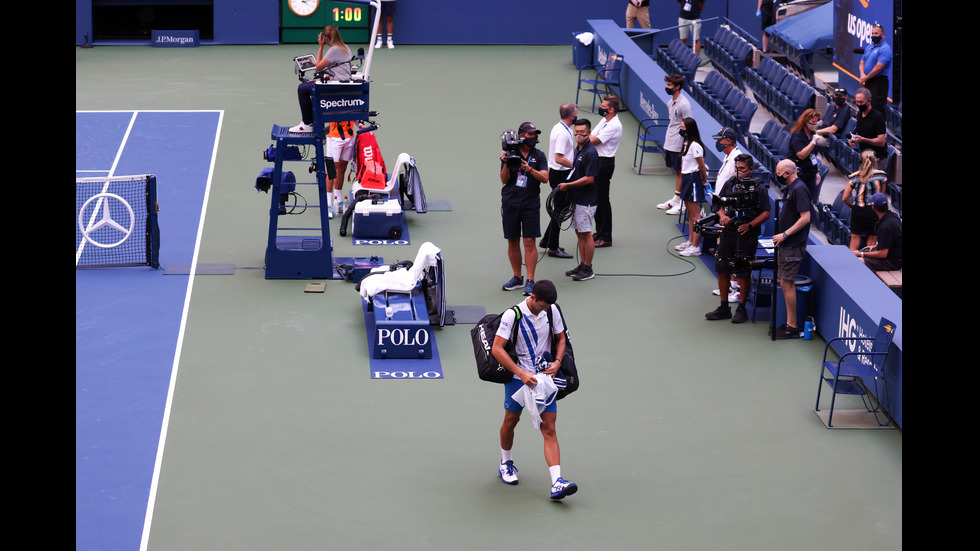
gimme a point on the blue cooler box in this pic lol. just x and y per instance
(378, 221)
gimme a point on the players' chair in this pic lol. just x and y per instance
(855, 370)
(606, 78)
(650, 136)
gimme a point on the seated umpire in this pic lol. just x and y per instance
(742, 207)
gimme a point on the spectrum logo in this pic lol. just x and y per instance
(330, 104)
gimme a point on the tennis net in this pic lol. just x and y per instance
(116, 222)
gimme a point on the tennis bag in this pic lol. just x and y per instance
(489, 369)
(567, 377)
(487, 366)
(370, 164)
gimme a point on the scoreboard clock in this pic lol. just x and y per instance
(302, 21)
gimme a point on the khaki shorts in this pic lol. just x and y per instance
(582, 218)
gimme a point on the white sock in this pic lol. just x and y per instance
(505, 456)
(555, 473)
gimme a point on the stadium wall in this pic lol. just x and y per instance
(442, 21)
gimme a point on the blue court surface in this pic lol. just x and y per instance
(128, 321)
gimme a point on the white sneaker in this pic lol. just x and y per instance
(692, 251)
(391, 44)
(732, 294)
(677, 209)
(682, 246)
(562, 488)
(508, 472)
(377, 43)
(675, 200)
(301, 129)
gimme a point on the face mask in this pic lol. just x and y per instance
(781, 179)
(670, 91)
(720, 146)
(839, 101)
(603, 112)
(811, 126)
(876, 39)
(531, 141)
(683, 133)
(864, 107)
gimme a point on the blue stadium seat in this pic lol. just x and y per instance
(678, 58)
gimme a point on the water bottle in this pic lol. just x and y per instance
(808, 327)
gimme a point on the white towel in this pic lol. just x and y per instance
(585, 38)
(536, 398)
(401, 280)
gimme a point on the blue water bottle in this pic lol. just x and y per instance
(808, 327)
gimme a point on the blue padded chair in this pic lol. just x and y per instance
(769, 132)
(650, 136)
(743, 116)
(779, 150)
(854, 370)
(606, 78)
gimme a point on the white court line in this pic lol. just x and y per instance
(151, 502)
(112, 172)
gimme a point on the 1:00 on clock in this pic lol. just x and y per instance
(346, 14)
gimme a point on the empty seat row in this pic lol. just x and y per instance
(678, 58)
(729, 53)
(769, 146)
(725, 102)
(834, 220)
(781, 92)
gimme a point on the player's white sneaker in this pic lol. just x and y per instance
(562, 488)
(508, 472)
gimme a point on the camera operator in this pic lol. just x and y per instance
(742, 206)
(523, 168)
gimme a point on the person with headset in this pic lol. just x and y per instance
(520, 205)
(742, 223)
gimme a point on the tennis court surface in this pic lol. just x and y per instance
(685, 434)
